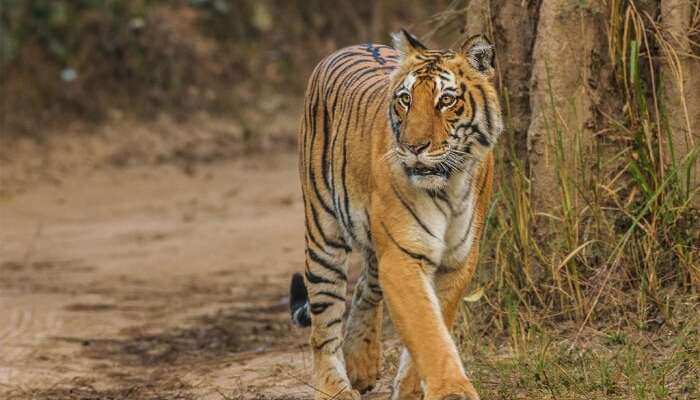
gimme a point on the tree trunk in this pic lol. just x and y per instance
(555, 71)
(545, 52)
(681, 81)
(568, 41)
(514, 30)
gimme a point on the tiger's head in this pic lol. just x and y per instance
(443, 109)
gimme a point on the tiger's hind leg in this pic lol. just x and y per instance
(326, 284)
(363, 349)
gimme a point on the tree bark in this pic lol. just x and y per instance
(546, 51)
(568, 41)
(554, 73)
(681, 81)
(514, 30)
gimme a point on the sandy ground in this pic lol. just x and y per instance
(151, 282)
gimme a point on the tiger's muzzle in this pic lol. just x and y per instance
(421, 166)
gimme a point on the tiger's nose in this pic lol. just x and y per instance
(416, 148)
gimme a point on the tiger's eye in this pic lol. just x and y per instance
(405, 99)
(447, 100)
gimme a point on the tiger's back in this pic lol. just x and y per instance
(345, 104)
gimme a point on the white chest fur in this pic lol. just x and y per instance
(442, 225)
(448, 218)
(459, 235)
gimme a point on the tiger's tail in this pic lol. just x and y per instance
(299, 301)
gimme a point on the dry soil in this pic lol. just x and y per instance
(154, 282)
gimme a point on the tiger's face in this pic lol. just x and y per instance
(443, 108)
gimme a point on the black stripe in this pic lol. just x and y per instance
(309, 235)
(439, 207)
(372, 304)
(330, 243)
(315, 279)
(325, 342)
(346, 66)
(472, 104)
(439, 194)
(371, 266)
(314, 185)
(325, 264)
(410, 210)
(334, 322)
(329, 167)
(416, 256)
(319, 308)
(324, 151)
(481, 136)
(371, 300)
(376, 112)
(348, 105)
(334, 59)
(330, 294)
(351, 81)
(367, 92)
(309, 103)
(464, 237)
(373, 273)
(346, 199)
(376, 289)
(347, 108)
(340, 67)
(487, 109)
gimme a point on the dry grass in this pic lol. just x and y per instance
(600, 298)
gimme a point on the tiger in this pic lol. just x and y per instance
(396, 164)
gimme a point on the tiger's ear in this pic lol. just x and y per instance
(406, 43)
(480, 53)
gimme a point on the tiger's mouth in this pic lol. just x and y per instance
(421, 170)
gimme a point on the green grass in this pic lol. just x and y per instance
(633, 364)
(612, 359)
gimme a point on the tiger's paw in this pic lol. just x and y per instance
(329, 378)
(411, 394)
(337, 391)
(463, 391)
(347, 394)
(363, 362)
(408, 388)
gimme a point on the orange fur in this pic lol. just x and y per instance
(396, 163)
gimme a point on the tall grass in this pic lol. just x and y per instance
(625, 241)
(598, 298)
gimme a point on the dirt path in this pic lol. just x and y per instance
(151, 283)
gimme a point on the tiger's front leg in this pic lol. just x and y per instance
(415, 311)
(449, 285)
